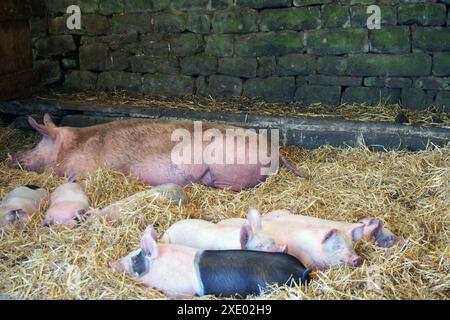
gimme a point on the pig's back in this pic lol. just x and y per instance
(244, 272)
(201, 234)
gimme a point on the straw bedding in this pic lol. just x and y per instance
(409, 191)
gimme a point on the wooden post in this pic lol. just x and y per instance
(17, 78)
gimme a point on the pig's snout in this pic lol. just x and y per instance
(13, 160)
(117, 266)
(355, 261)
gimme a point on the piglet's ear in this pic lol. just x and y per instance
(357, 233)
(148, 242)
(46, 131)
(330, 234)
(246, 234)
(254, 219)
(48, 121)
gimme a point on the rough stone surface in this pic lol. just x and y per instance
(336, 16)
(185, 44)
(139, 6)
(235, 21)
(224, 86)
(167, 85)
(290, 19)
(266, 66)
(108, 7)
(269, 44)
(332, 65)
(69, 63)
(49, 71)
(198, 22)
(427, 14)
(238, 67)
(189, 4)
(168, 23)
(317, 79)
(296, 64)
(271, 88)
(82, 80)
(116, 80)
(371, 96)
(199, 65)
(97, 57)
(408, 65)
(220, 45)
(390, 40)
(381, 82)
(431, 39)
(327, 95)
(95, 24)
(147, 64)
(130, 23)
(433, 83)
(325, 42)
(260, 4)
(441, 64)
(55, 45)
(277, 50)
(415, 99)
(443, 100)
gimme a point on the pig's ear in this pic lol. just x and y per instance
(330, 234)
(48, 132)
(357, 233)
(245, 235)
(48, 121)
(148, 242)
(254, 219)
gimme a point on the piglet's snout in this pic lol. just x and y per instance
(117, 266)
(356, 261)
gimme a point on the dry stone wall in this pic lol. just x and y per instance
(278, 50)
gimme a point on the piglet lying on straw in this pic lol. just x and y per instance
(180, 270)
(209, 236)
(20, 204)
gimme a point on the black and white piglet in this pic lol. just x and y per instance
(178, 270)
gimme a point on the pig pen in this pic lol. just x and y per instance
(409, 191)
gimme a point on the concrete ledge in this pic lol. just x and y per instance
(303, 132)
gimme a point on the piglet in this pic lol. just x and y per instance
(206, 235)
(20, 204)
(370, 228)
(317, 248)
(178, 270)
(68, 205)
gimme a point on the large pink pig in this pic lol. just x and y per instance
(206, 235)
(20, 204)
(316, 248)
(68, 205)
(178, 270)
(368, 228)
(145, 149)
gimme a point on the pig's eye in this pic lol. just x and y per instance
(14, 216)
(139, 264)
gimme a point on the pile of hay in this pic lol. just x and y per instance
(431, 117)
(409, 191)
